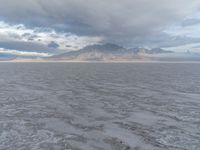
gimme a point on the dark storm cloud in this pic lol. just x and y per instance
(114, 19)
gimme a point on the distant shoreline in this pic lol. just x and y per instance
(99, 62)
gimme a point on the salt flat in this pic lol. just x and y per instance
(76, 106)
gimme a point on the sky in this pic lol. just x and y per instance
(48, 27)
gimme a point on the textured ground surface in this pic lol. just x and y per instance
(99, 106)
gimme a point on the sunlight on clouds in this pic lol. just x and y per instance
(66, 41)
(188, 27)
(192, 31)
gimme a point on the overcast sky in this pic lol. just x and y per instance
(48, 27)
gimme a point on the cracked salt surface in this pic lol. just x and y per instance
(58, 106)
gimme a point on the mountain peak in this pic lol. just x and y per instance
(106, 46)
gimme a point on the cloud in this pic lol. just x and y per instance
(26, 46)
(189, 27)
(40, 39)
(53, 26)
(190, 22)
(23, 53)
(109, 18)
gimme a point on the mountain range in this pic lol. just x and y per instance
(109, 52)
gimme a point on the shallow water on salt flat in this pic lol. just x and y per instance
(60, 106)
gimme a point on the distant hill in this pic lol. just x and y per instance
(108, 52)
(7, 57)
(13, 57)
